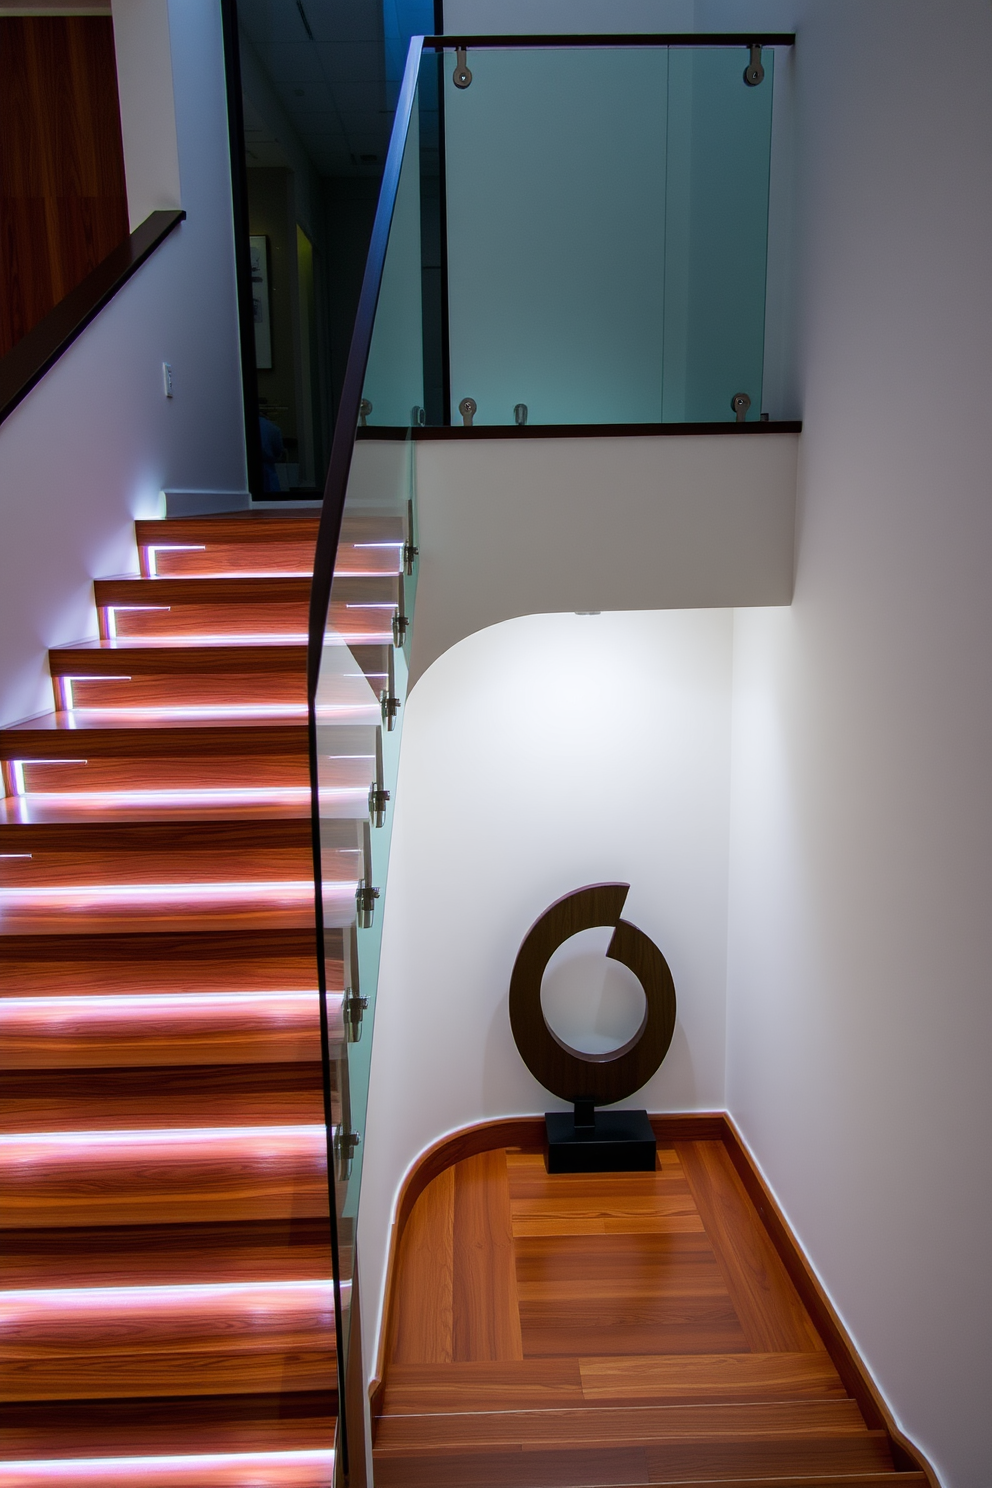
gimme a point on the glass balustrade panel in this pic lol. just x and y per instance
(606, 233)
(358, 705)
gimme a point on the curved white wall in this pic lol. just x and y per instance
(540, 755)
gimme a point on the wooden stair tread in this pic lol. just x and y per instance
(161, 1029)
(51, 818)
(286, 1469)
(602, 1382)
(207, 1338)
(169, 1177)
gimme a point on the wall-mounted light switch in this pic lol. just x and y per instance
(167, 378)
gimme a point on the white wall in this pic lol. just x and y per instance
(95, 443)
(860, 1014)
(516, 527)
(538, 756)
(522, 17)
(859, 1011)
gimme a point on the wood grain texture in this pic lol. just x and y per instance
(711, 1377)
(148, 1099)
(423, 1323)
(485, 1314)
(663, 1338)
(594, 1466)
(771, 1313)
(44, 1184)
(163, 1180)
(63, 199)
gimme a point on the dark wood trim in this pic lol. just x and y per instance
(568, 39)
(578, 431)
(527, 1134)
(242, 244)
(848, 1362)
(26, 364)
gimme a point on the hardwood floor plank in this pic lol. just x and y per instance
(423, 1324)
(711, 1377)
(481, 1386)
(486, 1319)
(771, 1314)
(218, 1177)
(622, 1294)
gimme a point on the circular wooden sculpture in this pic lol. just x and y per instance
(566, 1072)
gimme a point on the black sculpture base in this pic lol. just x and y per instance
(612, 1142)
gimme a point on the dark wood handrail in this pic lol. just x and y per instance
(26, 363)
(568, 39)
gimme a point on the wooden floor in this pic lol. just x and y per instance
(607, 1329)
(165, 1266)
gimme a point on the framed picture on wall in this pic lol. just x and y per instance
(261, 301)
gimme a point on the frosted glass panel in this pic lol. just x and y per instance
(718, 165)
(607, 226)
(555, 203)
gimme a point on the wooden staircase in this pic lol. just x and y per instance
(165, 1257)
(576, 1331)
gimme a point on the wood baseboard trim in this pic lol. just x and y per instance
(847, 1361)
(527, 1134)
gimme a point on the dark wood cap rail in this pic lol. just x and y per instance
(572, 431)
(27, 362)
(568, 39)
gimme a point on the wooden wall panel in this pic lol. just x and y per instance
(63, 198)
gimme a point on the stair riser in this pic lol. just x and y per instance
(624, 1466)
(175, 773)
(257, 862)
(225, 622)
(294, 1363)
(204, 692)
(371, 625)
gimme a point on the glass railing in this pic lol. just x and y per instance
(365, 577)
(566, 234)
